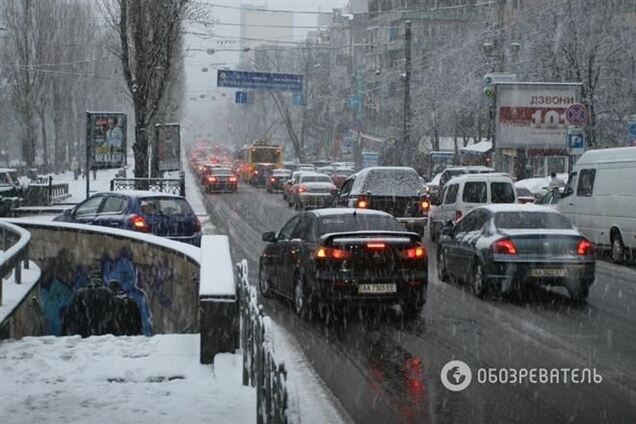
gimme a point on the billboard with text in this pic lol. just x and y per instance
(106, 139)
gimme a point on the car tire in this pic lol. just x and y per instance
(442, 271)
(579, 293)
(413, 306)
(264, 283)
(478, 283)
(618, 251)
(300, 299)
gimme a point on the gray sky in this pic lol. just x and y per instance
(200, 83)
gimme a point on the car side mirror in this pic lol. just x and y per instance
(269, 237)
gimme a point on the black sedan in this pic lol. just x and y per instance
(502, 248)
(343, 257)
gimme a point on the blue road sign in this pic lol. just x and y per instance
(240, 97)
(576, 141)
(259, 80)
(576, 114)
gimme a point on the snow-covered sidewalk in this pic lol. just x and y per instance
(109, 379)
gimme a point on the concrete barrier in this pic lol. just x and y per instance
(219, 314)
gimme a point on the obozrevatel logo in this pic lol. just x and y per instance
(456, 376)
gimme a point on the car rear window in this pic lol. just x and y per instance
(167, 206)
(358, 222)
(502, 192)
(475, 192)
(392, 182)
(315, 179)
(531, 220)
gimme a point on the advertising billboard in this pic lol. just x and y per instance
(167, 147)
(534, 115)
(106, 139)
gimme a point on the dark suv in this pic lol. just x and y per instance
(396, 190)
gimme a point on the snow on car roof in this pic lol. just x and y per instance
(517, 207)
(481, 177)
(140, 193)
(347, 211)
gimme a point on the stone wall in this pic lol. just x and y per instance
(80, 263)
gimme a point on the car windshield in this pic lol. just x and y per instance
(357, 222)
(531, 220)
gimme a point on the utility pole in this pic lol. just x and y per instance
(407, 150)
(499, 67)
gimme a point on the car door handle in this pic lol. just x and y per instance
(571, 203)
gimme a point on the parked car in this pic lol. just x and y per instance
(313, 190)
(278, 178)
(395, 190)
(220, 179)
(339, 176)
(160, 214)
(342, 257)
(502, 248)
(467, 192)
(600, 200)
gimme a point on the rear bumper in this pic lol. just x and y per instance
(416, 224)
(511, 273)
(221, 186)
(315, 200)
(342, 287)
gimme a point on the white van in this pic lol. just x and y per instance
(600, 199)
(463, 193)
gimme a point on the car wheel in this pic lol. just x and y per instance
(413, 306)
(477, 281)
(301, 302)
(579, 293)
(264, 285)
(618, 248)
(442, 271)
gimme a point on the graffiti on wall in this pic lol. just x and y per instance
(110, 296)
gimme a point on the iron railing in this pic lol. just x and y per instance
(15, 252)
(162, 185)
(276, 398)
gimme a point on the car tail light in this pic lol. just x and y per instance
(197, 225)
(232, 179)
(458, 215)
(255, 172)
(302, 189)
(332, 253)
(424, 205)
(376, 246)
(273, 179)
(362, 203)
(211, 179)
(504, 247)
(139, 223)
(584, 248)
(418, 252)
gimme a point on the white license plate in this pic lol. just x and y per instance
(547, 272)
(377, 288)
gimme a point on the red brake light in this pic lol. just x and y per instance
(232, 179)
(504, 247)
(302, 189)
(425, 205)
(273, 179)
(362, 203)
(139, 224)
(212, 179)
(458, 215)
(332, 253)
(255, 172)
(584, 248)
(376, 246)
(418, 252)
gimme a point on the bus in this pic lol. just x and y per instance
(258, 153)
(436, 161)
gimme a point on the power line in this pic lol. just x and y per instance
(262, 9)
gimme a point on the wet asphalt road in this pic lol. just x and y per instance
(384, 370)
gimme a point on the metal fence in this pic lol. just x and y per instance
(276, 399)
(162, 185)
(15, 252)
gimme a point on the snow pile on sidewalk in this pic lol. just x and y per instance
(109, 379)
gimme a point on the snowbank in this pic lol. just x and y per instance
(109, 379)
